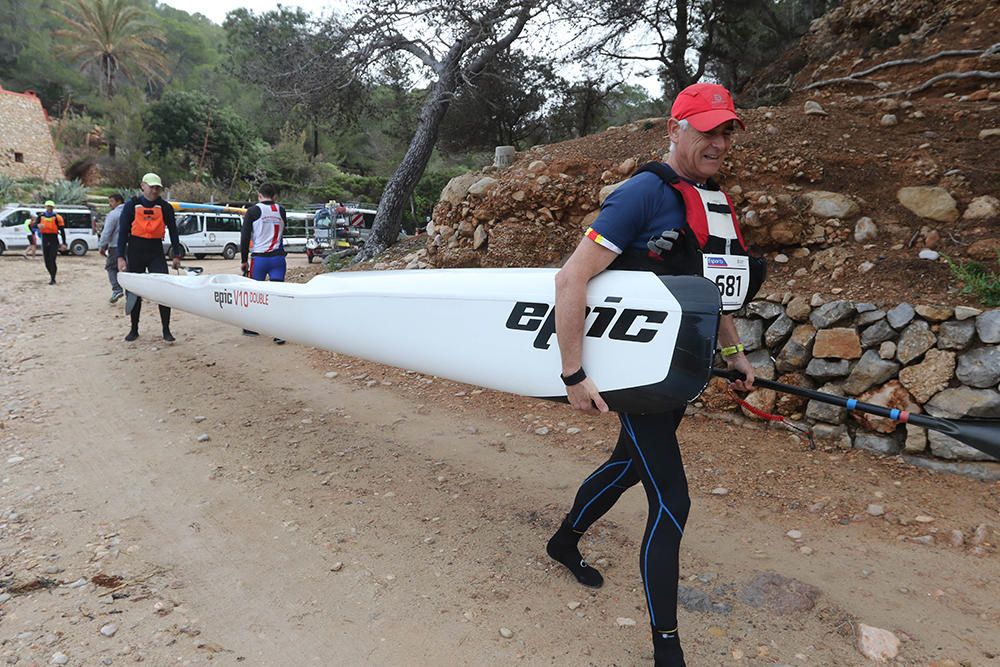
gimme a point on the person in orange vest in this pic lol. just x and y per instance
(52, 227)
(142, 224)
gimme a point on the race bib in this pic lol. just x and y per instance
(731, 274)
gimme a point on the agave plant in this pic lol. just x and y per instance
(63, 192)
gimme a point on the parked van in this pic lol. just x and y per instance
(81, 227)
(209, 234)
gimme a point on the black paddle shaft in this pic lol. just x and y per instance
(981, 434)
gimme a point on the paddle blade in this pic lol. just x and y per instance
(981, 434)
(130, 300)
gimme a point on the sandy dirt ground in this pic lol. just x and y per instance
(224, 500)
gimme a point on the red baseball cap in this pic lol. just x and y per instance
(705, 105)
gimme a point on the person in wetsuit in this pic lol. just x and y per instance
(671, 219)
(141, 228)
(263, 234)
(52, 228)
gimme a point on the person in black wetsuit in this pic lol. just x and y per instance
(52, 228)
(671, 219)
(141, 229)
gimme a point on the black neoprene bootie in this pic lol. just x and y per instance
(667, 650)
(562, 548)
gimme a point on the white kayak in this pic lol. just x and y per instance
(649, 340)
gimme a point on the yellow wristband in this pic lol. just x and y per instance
(732, 350)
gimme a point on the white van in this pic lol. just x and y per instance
(81, 227)
(209, 234)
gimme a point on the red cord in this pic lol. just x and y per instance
(774, 418)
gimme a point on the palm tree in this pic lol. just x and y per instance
(109, 37)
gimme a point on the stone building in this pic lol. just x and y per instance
(26, 146)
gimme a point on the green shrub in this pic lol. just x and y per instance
(63, 192)
(8, 186)
(978, 280)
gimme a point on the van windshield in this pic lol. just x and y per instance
(16, 218)
(187, 224)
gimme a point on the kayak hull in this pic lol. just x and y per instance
(648, 346)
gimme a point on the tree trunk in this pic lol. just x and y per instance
(389, 218)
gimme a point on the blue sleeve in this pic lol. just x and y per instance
(626, 212)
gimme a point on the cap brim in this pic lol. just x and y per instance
(709, 120)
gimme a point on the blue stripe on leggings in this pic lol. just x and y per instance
(663, 508)
(601, 492)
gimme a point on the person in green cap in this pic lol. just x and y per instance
(31, 229)
(52, 226)
(142, 224)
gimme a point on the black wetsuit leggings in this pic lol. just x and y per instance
(140, 259)
(50, 250)
(647, 451)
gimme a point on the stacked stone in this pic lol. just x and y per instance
(935, 359)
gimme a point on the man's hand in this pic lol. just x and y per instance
(103, 252)
(740, 363)
(62, 247)
(584, 397)
(176, 262)
(122, 265)
(244, 267)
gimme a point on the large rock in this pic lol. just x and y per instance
(929, 376)
(824, 370)
(988, 326)
(458, 188)
(796, 352)
(980, 367)
(946, 447)
(799, 309)
(929, 202)
(935, 313)
(870, 370)
(766, 310)
(824, 412)
(964, 402)
(607, 190)
(877, 644)
(901, 315)
(869, 316)
(837, 344)
(988, 472)
(792, 404)
(865, 230)
(956, 335)
(779, 331)
(751, 333)
(763, 365)
(914, 341)
(880, 444)
(890, 395)
(982, 208)
(762, 400)
(480, 187)
(832, 205)
(877, 333)
(832, 313)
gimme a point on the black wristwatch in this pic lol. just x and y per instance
(573, 378)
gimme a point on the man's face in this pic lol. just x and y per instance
(699, 155)
(151, 192)
(49, 209)
(112, 203)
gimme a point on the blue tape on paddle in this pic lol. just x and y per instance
(852, 403)
(894, 414)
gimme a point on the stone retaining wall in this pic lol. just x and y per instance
(929, 359)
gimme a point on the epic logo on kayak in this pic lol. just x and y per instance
(540, 317)
(240, 297)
